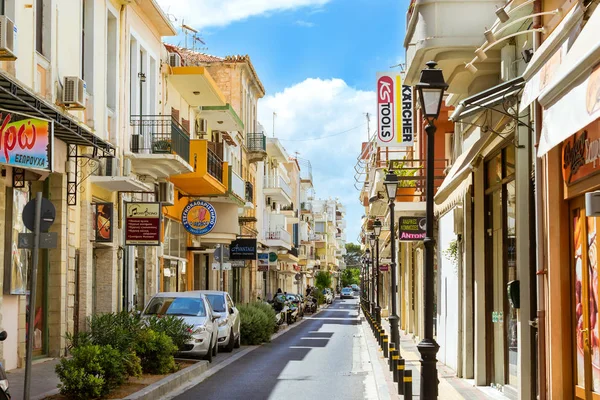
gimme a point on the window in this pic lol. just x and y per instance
(180, 306)
(111, 60)
(87, 44)
(43, 33)
(217, 301)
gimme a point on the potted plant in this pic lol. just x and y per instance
(406, 187)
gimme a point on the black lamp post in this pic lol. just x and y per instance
(372, 243)
(376, 233)
(431, 89)
(391, 187)
(367, 260)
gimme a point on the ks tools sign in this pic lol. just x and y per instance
(394, 111)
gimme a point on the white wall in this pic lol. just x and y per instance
(448, 295)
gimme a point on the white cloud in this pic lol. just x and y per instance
(305, 24)
(200, 14)
(317, 108)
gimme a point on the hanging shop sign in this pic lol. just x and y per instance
(103, 222)
(412, 228)
(384, 268)
(199, 217)
(263, 261)
(142, 224)
(243, 249)
(25, 142)
(581, 154)
(394, 111)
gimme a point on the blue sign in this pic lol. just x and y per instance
(199, 217)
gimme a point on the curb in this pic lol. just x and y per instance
(160, 388)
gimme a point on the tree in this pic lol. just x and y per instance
(323, 280)
(353, 255)
(350, 276)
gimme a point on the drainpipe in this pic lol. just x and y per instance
(540, 229)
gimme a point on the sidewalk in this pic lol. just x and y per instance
(43, 379)
(450, 386)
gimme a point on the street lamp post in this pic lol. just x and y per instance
(377, 232)
(372, 239)
(431, 89)
(391, 187)
(367, 260)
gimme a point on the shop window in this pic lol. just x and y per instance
(19, 262)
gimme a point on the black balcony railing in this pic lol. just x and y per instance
(214, 165)
(159, 134)
(256, 142)
(249, 192)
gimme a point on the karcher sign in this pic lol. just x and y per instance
(394, 111)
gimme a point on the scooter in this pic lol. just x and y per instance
(4, 395)
(292, 315)
(281, 316)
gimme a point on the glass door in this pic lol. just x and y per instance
(585, 296)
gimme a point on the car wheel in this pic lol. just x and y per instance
(229, 347)
(216, 348)
(238, 341)
(209, 355)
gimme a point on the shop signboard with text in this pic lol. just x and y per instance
(243, 249)
(25, 142)
(394, 111)
(142, 224)
(581, 154)
(412, 228)
(263, 261)
(199, 217)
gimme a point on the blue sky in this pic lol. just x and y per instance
(317, 60)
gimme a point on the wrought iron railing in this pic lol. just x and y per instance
(256, 142)
(279, 235)
(214, 165)
(159, 134)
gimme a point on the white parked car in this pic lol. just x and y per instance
(195, 309)
(229, 318)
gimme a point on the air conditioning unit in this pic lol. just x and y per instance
(166, 193)
(174, 59)
(8, 31)
(201, 127)
(111, 166)
(74, 92)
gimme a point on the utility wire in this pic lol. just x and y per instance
(322, 137)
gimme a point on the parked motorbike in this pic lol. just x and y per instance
(281, 307)
(292, 314)
(4, 394)
(311, 304)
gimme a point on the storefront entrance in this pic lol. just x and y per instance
(584, 267)
(501, 268)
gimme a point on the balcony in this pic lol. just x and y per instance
(278, 190)
(306, 208)
(208, 177)
(278, 237)
(159, 147)
(256, 144)
(313, 237)
(431, 35)
(196, 86)
(224, 118)
(237, 187)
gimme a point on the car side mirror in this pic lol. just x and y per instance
(231, 310)
(215, 317)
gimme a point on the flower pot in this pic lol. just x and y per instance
(405, 194)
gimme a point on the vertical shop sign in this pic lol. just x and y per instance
(394, 111)
(142, 224)
(103, 222)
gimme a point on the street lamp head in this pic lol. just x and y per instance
(431, 89)
(391, 186)
(377, 227)
(372, 239)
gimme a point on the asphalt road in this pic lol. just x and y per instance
(324, 357)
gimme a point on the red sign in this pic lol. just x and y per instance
(384, 268)
(142, 224)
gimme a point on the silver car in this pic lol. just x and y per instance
(229, 318)
(195, 309)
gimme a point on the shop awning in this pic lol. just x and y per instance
(547, 58)
(120, 184)
(457, 181)
(488, 99)
(16, 97)
(572, 100)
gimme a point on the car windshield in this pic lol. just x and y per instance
(181, 306)
(217, 301)
(346, 290)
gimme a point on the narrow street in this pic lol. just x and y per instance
(325, 356)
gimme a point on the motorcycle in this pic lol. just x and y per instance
(281, 307)
(4, 394)
(292, 314)
(311, 304)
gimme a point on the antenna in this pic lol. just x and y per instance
(401, 65)
(274, 115)
(368, 116)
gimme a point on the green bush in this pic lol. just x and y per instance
(156, 350)
(255, 325)
(269, 311)
(174, 327)
(92, 372)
